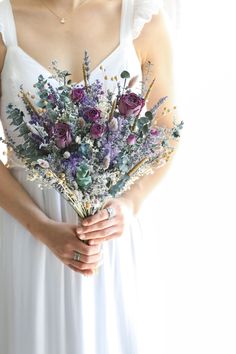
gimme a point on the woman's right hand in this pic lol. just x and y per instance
(61, 239)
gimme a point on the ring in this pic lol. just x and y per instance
(77, 256)
(111, 212)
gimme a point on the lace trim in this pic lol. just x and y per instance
(143, 12)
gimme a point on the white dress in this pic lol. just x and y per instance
(45, 307)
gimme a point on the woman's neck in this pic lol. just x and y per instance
(67, 5)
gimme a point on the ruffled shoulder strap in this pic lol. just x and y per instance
(7, 23)
(143, 12)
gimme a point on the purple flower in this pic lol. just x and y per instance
(130, 104)
(77, 94)
(154, 132)
(35, 119)
(62, 135)
(92, 114)
(71, 164)
(52, 98)
(131, 140)
(97, 130)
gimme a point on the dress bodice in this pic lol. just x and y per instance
(22, 69)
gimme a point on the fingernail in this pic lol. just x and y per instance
(78, 230)
(82, 237)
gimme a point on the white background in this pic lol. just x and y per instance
(190, 218)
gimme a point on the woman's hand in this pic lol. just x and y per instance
(98, 228)
(61, 239)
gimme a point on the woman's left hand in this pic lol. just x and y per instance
(98, 228)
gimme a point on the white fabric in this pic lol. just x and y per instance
(143, 12)
(45, 307)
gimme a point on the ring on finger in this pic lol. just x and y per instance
(111, 212)
(77, 256)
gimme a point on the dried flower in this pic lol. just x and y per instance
(43, 163)
(130, 104)
(81, 122)
(131, 140)
(66, 154)
(92, 114)
(97, 130)
(113, 125)
(78, 139)
(77, 94)
(106, 162)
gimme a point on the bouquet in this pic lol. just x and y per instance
(88, 143)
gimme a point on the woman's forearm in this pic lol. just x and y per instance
(17, 202)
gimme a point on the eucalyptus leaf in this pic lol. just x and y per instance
(125, 75)
(84, 182)
(16, 116)
(145, 128)
(149, 115)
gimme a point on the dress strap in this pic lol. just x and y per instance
(7, 23)
(126, 21)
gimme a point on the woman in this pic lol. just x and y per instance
(46, 305)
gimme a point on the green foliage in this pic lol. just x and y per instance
(41, 83)
(125, 75)
(143, 124)
(15, 115)
(82, 176)
(23, 130)
(149, 115)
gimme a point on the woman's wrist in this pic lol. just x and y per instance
(36, 226)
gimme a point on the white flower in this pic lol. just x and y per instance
(79, 195)
(43, 163)
(75, 185)
(88, 141)
(106, 162)
(37, 130)
(78, 140)
(113, 125)
(32, 128)
(66, 154)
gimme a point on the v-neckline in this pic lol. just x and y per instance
(102, 63)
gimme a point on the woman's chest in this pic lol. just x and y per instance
(43, 37)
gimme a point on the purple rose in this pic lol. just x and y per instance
(92, 114)
(131, 140)
(62, 135)
(77, 94)
(130, 104)
(97, 130)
